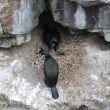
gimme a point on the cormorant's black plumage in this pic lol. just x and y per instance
(51, 72)
(51, 37)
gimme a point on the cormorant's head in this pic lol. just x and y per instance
(53, 46)
(44, 52)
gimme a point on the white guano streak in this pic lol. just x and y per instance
(80, 18)
(22, 18)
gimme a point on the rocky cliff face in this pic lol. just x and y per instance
(84, 77)
(18, 17)
(91, 2)
(21, 16)
(84, 69)
(83, 14)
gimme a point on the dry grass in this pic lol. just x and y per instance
(70, 62)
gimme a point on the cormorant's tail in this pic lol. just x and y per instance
(54, 91)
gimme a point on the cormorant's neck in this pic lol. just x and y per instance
(47, 56)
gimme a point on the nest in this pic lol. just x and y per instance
(70, 62)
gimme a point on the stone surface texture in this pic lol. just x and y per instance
(17, 19)
(91, 2)
(73, 15)
(85, 77)
(20, 16)
(6, 41)
(22, 86)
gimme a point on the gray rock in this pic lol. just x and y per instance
(17, 19)
(102, 32)
(22, 86)
(103, 17)
(1, 29)
(20, 16)
(91, 2)
(69, 14)
(7, 42)
(76, 16)
(26, 17)
(107, 35)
